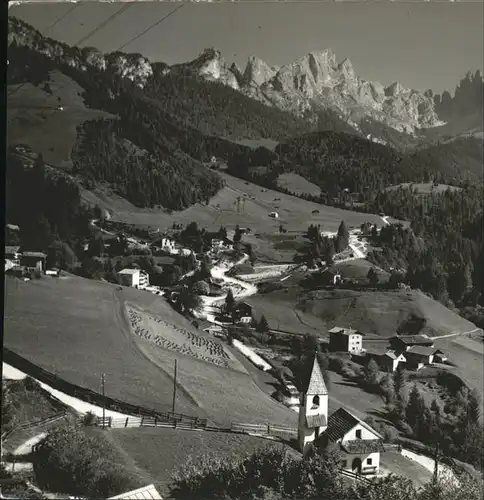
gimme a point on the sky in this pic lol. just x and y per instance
(420, 44)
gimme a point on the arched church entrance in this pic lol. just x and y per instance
(356, 466)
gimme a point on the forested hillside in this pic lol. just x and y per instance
(443, 251)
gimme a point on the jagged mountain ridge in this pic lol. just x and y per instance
(318, 81)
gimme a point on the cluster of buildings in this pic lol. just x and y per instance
(25, 261)
(414, 351)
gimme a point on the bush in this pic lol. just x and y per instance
(31, 384)
(70, 461)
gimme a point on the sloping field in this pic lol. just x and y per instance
(297, 184)
(294, 214)
(381, 312)
(468, 354)
(358, 269)
(425, 188)
(78, 329)
(160, 452)
(34, 120)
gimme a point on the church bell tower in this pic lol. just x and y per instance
(313, 412)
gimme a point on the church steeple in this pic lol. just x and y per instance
(316, 384)
(313, 412)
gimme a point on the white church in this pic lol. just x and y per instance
(359, 444)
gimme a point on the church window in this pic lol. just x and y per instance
(369, 461)
(358, 434)
(315, 401)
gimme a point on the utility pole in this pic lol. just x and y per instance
(174, 389)
(104, 402)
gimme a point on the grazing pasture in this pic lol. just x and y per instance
(382, 313)
(295, 215)
(297, 184)
(425, 187)
(34, 117)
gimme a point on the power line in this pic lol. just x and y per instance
(151, 27)
(104, 23)
(63, 16)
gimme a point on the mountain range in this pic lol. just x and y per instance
(317, 81)
(179, 116)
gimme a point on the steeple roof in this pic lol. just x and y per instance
(316, 383)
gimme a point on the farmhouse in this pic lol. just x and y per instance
(387, 361)
(12, 254)
(134, 278)
(345, 340)
(274, 215)
(417, 355)
(358, 443)
(403, 342)
(35, 260)
(440, 357)
(13, 227)
(330, 277)
(243, 312)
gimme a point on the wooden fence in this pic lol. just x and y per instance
(265, 429)
(29, 425)
(85, 394)
(110, 422)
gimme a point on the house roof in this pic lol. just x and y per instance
(316, 383)
(12, 249)
(40, 255)
(129, 271)
(421, 350)
(13, 227)
(313, 421)
(413, 339)
(365, 446)
(344, 331)
(393, 355)
(341, 422)
(147, 492)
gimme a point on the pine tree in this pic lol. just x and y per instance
(342, 238)
(263, 326)
(473, 407)
(372, 276)
(371, 373)
(415, 408)
(399, 382)
(229, 302)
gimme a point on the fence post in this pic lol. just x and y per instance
(174, 424)
(155, 421)
(126, 423)
(110, 421)
(268, 428)
(142, 420)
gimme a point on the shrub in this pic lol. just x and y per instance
(31, 384)
(336, 364)
(70, 461)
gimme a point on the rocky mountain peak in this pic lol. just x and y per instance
(257, 71)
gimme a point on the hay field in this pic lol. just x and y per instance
(74, 328)
(79, 329)
(186, 342)
(34, 120)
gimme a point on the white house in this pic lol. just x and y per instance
(274, 215)
(12, 253)
(345, 340)
(217, 243)
(390, 360)
(359, 444)
(167, 244)
(133, 277)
